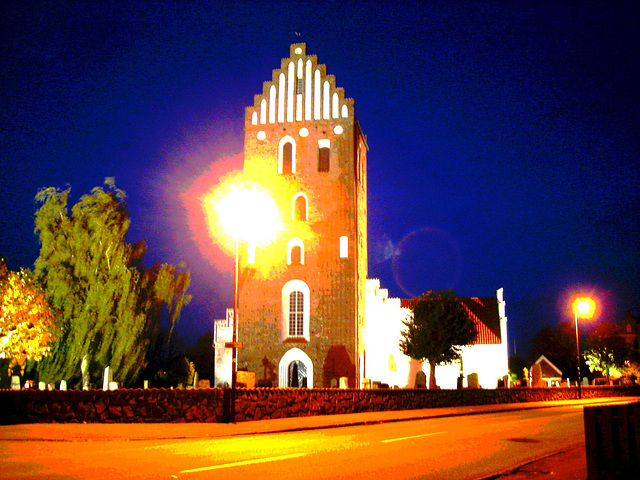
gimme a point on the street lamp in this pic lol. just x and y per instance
(584, 307)
(248, 214)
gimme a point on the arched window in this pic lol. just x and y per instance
(295, 252)
(287, 156)
(344, 246)
(324, 155)
(300, 207)
(295, 311)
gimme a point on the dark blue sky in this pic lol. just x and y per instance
(504, 137)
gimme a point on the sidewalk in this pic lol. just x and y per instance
(571, 463)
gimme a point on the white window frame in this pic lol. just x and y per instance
(344, 246)
(284, 140)
(292, 286)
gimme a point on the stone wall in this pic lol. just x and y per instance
(117, 406)
(211, 405)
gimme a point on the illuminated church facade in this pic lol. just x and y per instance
(308, 315)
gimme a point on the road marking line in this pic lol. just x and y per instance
(245, 462)
(409, 438)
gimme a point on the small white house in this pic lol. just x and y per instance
(385, 363)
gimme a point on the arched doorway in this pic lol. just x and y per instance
(295, 370)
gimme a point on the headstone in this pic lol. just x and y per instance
(421, 379)
(246, 379)
(472, 380)
(113, 385)
(204, 383)
(525, 377)
(107, 378)
(42, 386)
(63, 385)
(585, 381)
(507, 381)
(195, 380)
(334, 383)
(15, 382)
(460, 381)
(536, 376)
(344, 382)
(145, 384)
(84, 367)
(366, 383)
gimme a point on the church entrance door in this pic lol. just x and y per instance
(297, 375)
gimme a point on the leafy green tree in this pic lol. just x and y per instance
(516, 367)
(27, 323)
(606, 351)
(110, 305)
(439, 326)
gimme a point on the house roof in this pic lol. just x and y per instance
(483, 312)
(548, 368)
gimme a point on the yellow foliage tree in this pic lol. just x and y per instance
(26, 319)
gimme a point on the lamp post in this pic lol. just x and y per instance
(581, 306)
(248, 214)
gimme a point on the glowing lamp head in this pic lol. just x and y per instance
(249, 214)
(584, 307)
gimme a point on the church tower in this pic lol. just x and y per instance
(302, 296)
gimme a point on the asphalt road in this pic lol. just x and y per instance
(459, 447)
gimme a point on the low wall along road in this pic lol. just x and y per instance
(213, 404)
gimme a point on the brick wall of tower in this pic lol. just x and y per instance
(336, 207)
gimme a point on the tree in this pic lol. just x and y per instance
(110, 305)
(26, 320)
(606, 351)
(437, 329)
(558, 344)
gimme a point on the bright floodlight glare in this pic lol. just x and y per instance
(249, 214)
(585, 307)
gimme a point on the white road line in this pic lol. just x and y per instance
(409, 438)
(246, 462)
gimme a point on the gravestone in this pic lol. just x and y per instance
(63, 385)
(472, 380)
(84, 368)
(15, 382)
(204, 383)
(536, 376)
(366, 383)
(107, 378)
(246, 379)
(344, 382)
(421, 379)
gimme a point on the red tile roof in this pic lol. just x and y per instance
(484, 314)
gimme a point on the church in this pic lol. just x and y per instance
(308, 316)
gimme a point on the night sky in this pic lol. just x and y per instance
(504, 136)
